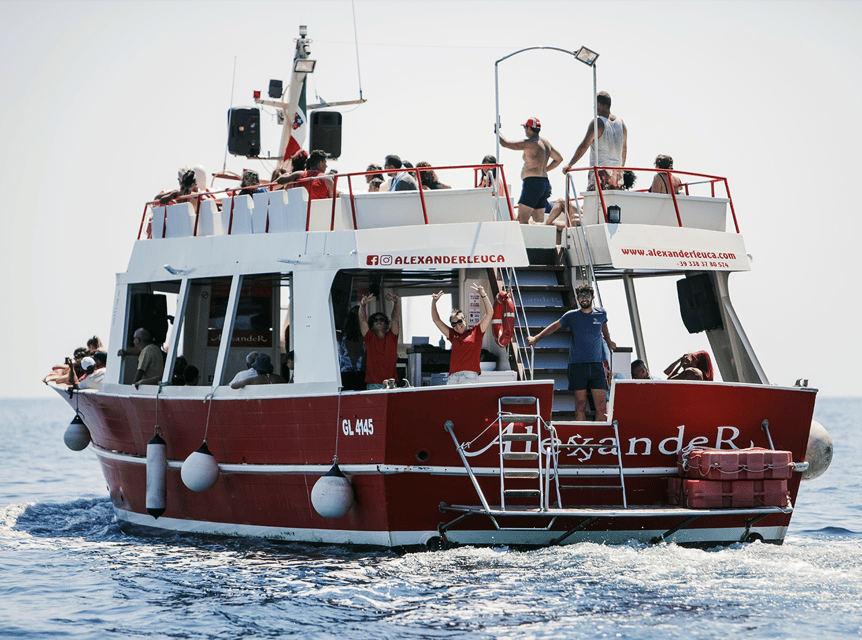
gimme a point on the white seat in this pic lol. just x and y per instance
(240, 214)
(179, 220)
(288, 210)
(158, 222)
(212, 221)
(259, 212)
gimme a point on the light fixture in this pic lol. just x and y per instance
(587, 56)
(304, 65)
(614, 214)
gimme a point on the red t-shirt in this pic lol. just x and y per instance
(381, 357)
(317, 189)
(466, 348)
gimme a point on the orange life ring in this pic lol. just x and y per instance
(503, 322)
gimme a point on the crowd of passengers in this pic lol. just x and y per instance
(367, 349)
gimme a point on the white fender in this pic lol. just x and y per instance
(77, 436)
(819, 452)
(200, 469)
(157, 467)
(332, 494)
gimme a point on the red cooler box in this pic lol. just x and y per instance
(738, 464)
(718, 494)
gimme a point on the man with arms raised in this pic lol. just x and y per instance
(589, 326)
(612, 146)
(536, 187)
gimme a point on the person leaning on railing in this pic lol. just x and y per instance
(659, 182)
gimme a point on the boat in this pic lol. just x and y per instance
(420, 463)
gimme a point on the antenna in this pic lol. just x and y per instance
(230, 111)
(356, 42)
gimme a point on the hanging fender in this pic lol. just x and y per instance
(503, 322)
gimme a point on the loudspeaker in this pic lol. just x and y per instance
(698, 305)
(243, 136)
(326, 133)
(149, 311)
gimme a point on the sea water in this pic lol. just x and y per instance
(66, 570)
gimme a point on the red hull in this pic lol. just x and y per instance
(403, 464)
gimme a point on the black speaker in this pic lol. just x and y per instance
(149, 311)
(698, 304)
(326, 132)
(243, 136)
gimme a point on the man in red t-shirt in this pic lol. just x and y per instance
(381, 341)
(466, 343)
(319, 188)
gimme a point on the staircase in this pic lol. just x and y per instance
(542, 295)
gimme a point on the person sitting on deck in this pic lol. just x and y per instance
(248, 372)
(381, 341)
(429, 178)
(151, 362)
(94, 345)
(263, 373)
(374, 180)
(659, 182)
(466, 343)
(94, 372)
(488, 177)
(61, 372)
(188, 186)
(250, 183)
(640, 371)
(691, 366)
(399, 180)
(191, 376)
(318, 188)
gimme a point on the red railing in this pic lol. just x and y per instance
(669, 173)
(272, 186)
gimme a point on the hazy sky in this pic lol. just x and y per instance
(101, 102)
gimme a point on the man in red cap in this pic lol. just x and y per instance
(540, 157)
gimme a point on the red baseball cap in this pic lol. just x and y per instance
(533, 123)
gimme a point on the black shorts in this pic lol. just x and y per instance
(535, 192)
(587, 375)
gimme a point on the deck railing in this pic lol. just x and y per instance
(601, 190)
(222, 196)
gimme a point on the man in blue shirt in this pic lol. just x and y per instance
(589, 326)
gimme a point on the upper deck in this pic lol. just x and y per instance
(444, 229)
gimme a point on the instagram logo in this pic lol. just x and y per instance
(385, 260)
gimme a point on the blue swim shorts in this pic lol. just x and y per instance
(535, 192)
(587, 375)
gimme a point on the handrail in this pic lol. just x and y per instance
(710, 179)
(274, 186)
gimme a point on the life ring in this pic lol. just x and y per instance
(503, 322)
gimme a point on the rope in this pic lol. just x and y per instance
(209, 410)
(337, 426)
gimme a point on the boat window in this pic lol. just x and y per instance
(152, 306)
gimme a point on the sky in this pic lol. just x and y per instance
(101, 102)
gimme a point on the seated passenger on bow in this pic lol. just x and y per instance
(263, 369)
(318, 188)
(660, 181)
(691, 366)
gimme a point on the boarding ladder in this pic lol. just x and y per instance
(519, 444)
(573, 475)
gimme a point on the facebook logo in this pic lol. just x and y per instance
(372, 260)
(382, 261)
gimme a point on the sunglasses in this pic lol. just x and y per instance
(455, 323)
(381, 320)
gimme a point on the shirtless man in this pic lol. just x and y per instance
(537, 187)
(612, 145)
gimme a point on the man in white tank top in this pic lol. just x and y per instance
(612, 145)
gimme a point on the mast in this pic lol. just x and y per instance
(294, 109)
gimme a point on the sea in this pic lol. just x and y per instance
(67, 571)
